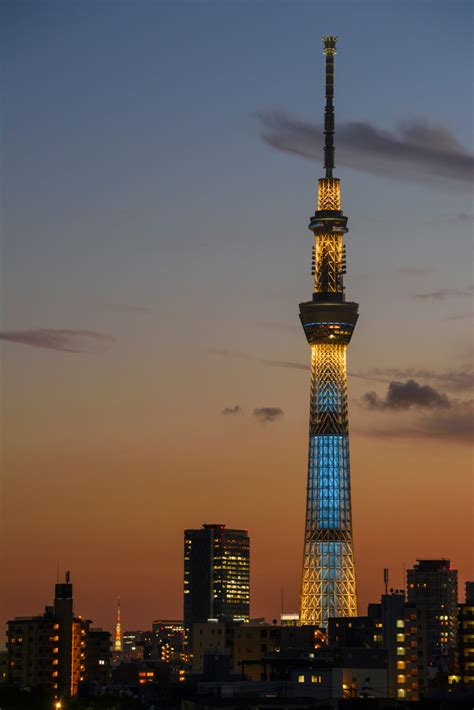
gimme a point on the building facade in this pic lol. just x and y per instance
(328, 581)
(466, 638)
(50, 652)
(245, 645)
(216, 575)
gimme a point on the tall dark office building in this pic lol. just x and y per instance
(216, 575)
(432, 588)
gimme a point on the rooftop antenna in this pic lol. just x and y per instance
(385, 579)
(330, 52)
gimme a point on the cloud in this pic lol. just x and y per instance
(62, 339)
(263, 361)
(455, 424)
(414, 271)
(286, 364)
(461, 379)
(449, 218)
(463, 217)
(435, 415)
(267, 414)
(461, 316)
(443, 293)
(405, 395)
(232, 410)
(230, 353)
(127, 308)
(416, 149)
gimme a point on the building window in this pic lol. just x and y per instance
(301, 679)
(400, 692)
(316, 679)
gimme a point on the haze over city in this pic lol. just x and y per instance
(160, 164)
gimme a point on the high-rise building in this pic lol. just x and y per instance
(49, 651)
(216, 575)
(466, 638)
(391, 626)
(328, 582)
(98, 666)
(469, 593)
(432, 589)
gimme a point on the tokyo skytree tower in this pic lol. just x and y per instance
(328, 586)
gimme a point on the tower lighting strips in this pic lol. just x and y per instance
(328, 582)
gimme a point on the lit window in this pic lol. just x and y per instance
(401, 665)
(315, 679)
(400, 651)
(400, 624)
(400, 692)
(301, 679)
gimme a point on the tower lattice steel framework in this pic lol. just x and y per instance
(328, 584)
(118, 647)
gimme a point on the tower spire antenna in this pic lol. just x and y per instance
(329, 127)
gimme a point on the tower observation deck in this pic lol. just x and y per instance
(328, 586)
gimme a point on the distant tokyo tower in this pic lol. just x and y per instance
(328, 586)
(118, 631)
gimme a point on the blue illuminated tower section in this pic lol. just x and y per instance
(328, 584)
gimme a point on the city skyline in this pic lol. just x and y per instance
(156, 188)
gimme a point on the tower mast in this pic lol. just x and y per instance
(328, 586)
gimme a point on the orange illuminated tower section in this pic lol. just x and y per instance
(118, 632)
(328, 582)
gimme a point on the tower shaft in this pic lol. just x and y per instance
(328, 581)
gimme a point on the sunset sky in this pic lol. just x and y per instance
(159, 170)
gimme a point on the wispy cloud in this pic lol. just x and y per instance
(405, 395)
(268, 414)
(128, 308)
(443, 294)
(415, 149)
(236, 409)
(62, 339)
(455, 424)
(461, 316)
(263, 361)
(435, 414)
(287, 364)
(449, 218)
(414, 271)
(455, 380)
(223, 352)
